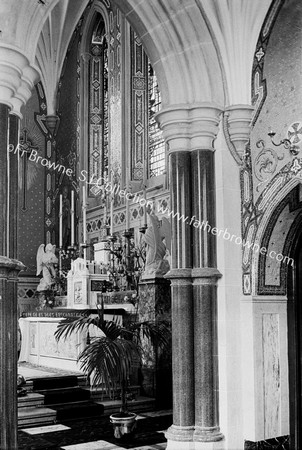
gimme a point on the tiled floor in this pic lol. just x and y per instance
(97, 434)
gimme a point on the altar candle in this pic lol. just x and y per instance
(111, 216)
(72, 218)
(61, 222)
(84, 215)
(127, 213)
(145, 207)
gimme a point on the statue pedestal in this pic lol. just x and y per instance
(155, 305)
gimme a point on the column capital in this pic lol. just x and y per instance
(17, 78)
(189, 127)
(11, 264)
(239, 119)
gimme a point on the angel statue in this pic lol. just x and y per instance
(157, 264)
(45, 264)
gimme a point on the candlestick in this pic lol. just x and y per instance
(61, 222)
(72, 218)
(127, 213)
(145, 206)
(111, 216)
(84, 222)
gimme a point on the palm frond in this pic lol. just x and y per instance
(70, 325)
(108, 361)
(159, 333)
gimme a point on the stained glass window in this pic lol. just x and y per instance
(157, 157)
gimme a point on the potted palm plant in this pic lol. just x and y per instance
(108, 358)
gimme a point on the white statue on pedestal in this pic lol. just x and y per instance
(156, 263)
(46, 261)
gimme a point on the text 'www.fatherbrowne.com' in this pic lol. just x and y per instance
(225, 234)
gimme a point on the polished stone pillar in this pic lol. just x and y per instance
(205, 276)
(4, 110)
(181, 289)
(175, 128)
(13, 181)
(189, 133)
(9, 269)
(17, 78)
(182, 305)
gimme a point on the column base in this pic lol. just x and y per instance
(179, 433)
(217, 445)
(180, 445)
(184, 438)
(207, 434)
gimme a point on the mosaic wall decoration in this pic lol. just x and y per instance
(248, 217)
(50, 155)
(98, 105)
(272, 171)
(281, 232)
(136, 212)
(139, 103)
(259, 88)
(115, 97)
(252, 216)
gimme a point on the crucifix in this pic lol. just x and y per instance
(26, 147)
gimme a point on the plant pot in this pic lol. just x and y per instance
(123, 424)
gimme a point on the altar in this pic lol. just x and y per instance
(39, 346)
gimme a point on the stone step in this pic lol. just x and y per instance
(32, 399)
(47, 383)
(77, 410)
(99, 394)
(28, 417)
(65, 395)
(141, 404)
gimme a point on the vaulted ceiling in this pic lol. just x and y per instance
(201, 50)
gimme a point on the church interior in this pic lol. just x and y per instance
(151, 174)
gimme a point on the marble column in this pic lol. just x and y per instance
(9, 269)
(4, 111)
(175, 128)
(17, 78)
(205, 276)
(13, 180)
(190, 132)
(205, 121)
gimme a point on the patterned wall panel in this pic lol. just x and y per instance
(33, 142)
(98, 105)
(115, 98)
(276, 90)
(259, 88)
(139, 101)
(271, 374)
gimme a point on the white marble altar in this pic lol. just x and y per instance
(40, 347)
